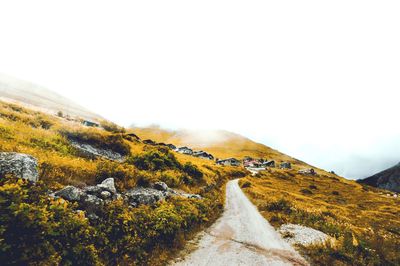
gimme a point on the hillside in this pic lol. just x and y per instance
(221, 144)
(363, 220)
(387, 179)
(37, 97)
(66, 216)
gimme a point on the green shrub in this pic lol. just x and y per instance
(154, 160)
(246, 184)
(281, 205)
(37, 230)
(192, 170)
(306, 191)
(125, 175)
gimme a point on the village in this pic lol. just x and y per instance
(254, 165)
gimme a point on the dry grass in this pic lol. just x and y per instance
(336, 206)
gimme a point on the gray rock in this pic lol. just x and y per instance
(105, 195)
(160, 186)
(146, 196)
(108, 185)
(70, 193)
(91, 203)
(20, 165)
(301, 235)
(194, 196)
(91, 152)
(95, 190)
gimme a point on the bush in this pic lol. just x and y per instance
(155, 160)
(306, 191)
(192, 170)
(111, 127)
(125, 175)
(37, 230)
(281, 205)
(246, 184)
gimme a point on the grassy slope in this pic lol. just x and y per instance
(336, 205)
(223, 144)
(41, 135)
(327, 202)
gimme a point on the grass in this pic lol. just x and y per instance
(147, 235)
(364, 223)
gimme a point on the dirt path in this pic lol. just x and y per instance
(241, 237)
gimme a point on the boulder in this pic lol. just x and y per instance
(108, 185)
(146, 196)
(94, 190)
(70, 193)
(105, 195)
(19, 165)
(91, 203)
(301, 235)
(160, 186)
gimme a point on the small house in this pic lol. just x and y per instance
(229, 161)
(286, 165)
(90, 123)
(307, 172)
(184, 150)
(203, 155)
(252, 163)
(270, 163)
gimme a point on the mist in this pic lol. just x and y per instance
(316, 80)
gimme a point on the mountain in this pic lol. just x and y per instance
(221, 144)
(387, 179)
(37, 97)
(164, 197)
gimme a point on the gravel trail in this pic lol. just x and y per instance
(241, 237)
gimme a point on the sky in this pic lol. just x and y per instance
(318, 80)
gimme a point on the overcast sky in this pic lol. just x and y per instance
(318, 80)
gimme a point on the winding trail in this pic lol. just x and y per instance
(241, 237)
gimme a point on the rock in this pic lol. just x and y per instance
(301, 235)
(91, 203)
(108, 185)
(93, 217)
(146, 196)
(95, 190)
(18, 164)
(105, 195)
(70, 193)
(194, 196)
(91, 152)
(160, 186)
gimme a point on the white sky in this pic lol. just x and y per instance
(318, 80)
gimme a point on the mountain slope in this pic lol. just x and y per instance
(34, 96)
(387, 179)
(222, 144)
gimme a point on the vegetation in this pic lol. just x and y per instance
(124, 235)
(363, 223)
(63, 235)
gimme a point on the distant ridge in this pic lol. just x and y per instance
(387, 179)
(34, 96)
